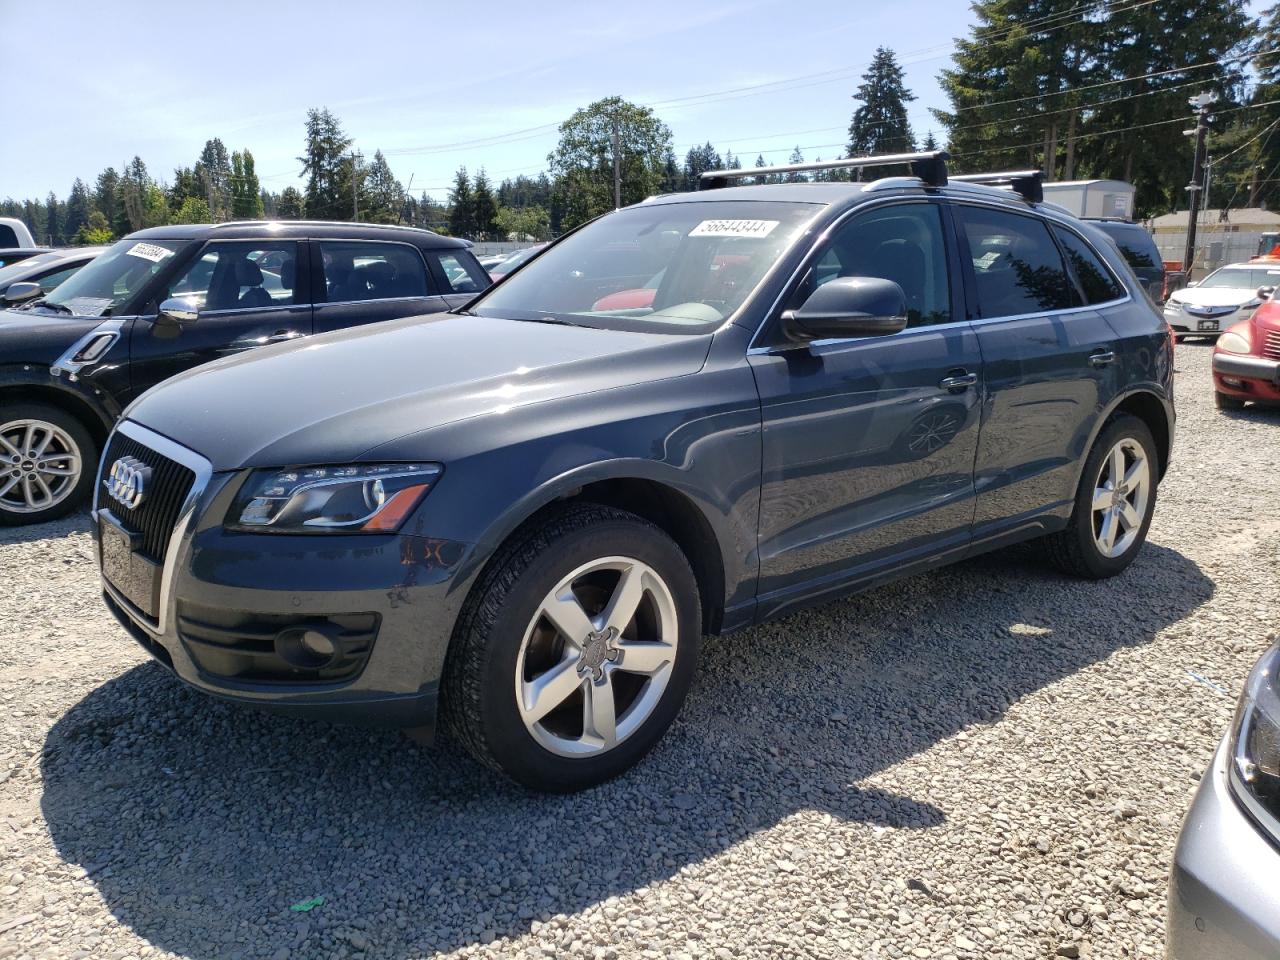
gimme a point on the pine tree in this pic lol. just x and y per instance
(53, 220)
(484, 209)
(461, 207)
(79, 206)
(213, 170)
(290, 205)
(104, 195)
(699, 160)
(328, 169)
(795, 176)
(930, 142)
(880, 124)
(384, 194)
(764, 177)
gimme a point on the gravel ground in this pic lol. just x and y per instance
(989, 761)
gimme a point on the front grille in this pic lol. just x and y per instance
(166, 492)
(1271, 345)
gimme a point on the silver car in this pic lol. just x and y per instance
(1224, 899)
(1225, 297)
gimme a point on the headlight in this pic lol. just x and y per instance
(357, 498)
(1173, 306)
(1255, 743)
(1234, 343)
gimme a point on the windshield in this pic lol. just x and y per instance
(1243, 278)
(517, 258)
(113, 278)
(706, 258)
(16, 271)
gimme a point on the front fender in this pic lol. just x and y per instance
(34, 380)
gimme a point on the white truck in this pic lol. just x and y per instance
(14, 233)
(1099, 199)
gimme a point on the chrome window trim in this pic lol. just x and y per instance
(203, 471)
(347, 303)
(227, 311)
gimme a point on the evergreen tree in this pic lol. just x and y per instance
(95, 231)
(730, 161)
(53, 220)
(383, 192)
(764, 177)
(290, 204)
(213, 171)
(880, 124)
(328, 169)
(104, 195)
(796, 177)
(582, 163)
(699, 160)
(79, 206)
(484, 209)
(930, 142)
(246, 202)
(192, 210)
(461, 206)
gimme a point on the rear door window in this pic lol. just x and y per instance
(1016, 265)
(461, 272)
(357, 270)
(1096, 282)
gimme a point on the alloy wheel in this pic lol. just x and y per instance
(1120, 498)
(39, 465)
(596, 657)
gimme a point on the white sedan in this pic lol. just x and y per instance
(1227, 296)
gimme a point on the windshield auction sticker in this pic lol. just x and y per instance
(149, 251)
(734, 228)
(88, 306)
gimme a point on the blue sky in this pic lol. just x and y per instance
(100, 82)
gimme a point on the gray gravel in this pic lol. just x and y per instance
(989, 761)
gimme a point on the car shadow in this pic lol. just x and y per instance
(74, 523)
(198, 821)
(1254, 413)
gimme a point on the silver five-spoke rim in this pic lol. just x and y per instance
(596, 657)
(1120, 498)
(39, 465)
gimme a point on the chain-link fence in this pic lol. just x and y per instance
(1213, 247)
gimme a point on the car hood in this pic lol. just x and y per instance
(30, 336)
(1214, 296)
(333, 397)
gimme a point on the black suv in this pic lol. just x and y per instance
(689, 416)
(166, 299)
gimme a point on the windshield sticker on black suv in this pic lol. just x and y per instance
(734, 228)
(149, 251)
(88, 306)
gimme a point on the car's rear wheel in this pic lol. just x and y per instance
(1224, 402)
(47, 463)
(1114, 504)
(575, 650)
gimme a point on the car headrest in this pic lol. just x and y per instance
(288, 273)
(248, 273)
(377, 272)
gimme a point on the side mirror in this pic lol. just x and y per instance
(1264, 293)
(180, 311)
(22, 292)
(849, 307)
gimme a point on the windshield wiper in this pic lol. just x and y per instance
(557, 321)
(55, 307)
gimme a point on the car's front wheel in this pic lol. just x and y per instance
(47, 462)
(575, 650)
(1114, 504)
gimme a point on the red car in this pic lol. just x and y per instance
(1246, 360)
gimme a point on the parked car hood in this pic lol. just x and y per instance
(1214, 296)
(333, 397)
(36, 336)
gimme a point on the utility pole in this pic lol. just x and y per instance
(1200, 104)
(617, 169)
(355, 184)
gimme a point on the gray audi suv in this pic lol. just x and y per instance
(686, 417)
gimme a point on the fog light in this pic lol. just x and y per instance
(307, 648)
(1232, 382)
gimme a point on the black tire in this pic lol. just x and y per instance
(1224, 402)
(1074, 550)
(479, 701)
(80, 438)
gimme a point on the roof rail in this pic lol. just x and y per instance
(1028, 184)
(930, 166)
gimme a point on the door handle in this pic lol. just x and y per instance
(1100, 358)
(280, 336)
(959, 381)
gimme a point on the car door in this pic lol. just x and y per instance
(868, 444)
(1048, 361)
(247, 292)
(365, 281)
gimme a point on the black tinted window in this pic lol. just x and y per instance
(354, 270)
(899, 243)
(1096, 281)
(1135, 245)
(461, 272)
(1016, 265)
(8, 236)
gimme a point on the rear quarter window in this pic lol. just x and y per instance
(1135, 244)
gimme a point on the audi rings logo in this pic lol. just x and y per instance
(127, 481)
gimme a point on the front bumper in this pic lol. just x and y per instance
(230, 604)
(1223, 898)
(1257, 378)
(1184, 321)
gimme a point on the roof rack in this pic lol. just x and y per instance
(1028, 184)
(930, 166)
